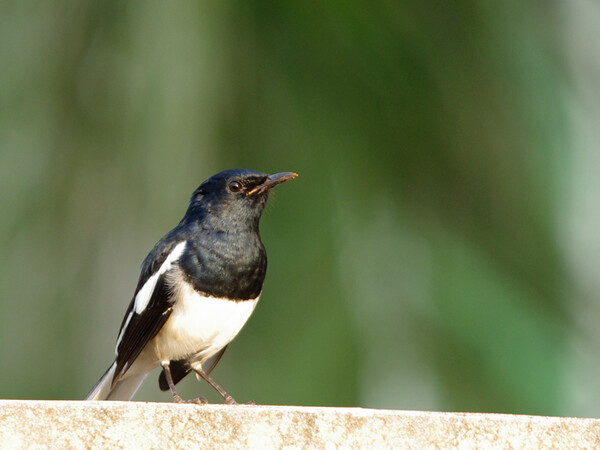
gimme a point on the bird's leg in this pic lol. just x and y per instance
(167, 370)
(228, 398)
(176, 397)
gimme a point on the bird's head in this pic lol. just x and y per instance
(237, 194)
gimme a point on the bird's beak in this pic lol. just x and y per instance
(272, 181)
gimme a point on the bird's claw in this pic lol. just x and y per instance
(195, 401)
(230, 401)
(178, 399)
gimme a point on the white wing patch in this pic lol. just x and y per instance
(129, 316)
(145, 293)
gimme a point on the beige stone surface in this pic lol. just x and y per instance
(82, 425)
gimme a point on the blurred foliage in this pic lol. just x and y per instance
(422, 260)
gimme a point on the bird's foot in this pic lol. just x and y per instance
(195, 401)
(178, 399)
(229, 400)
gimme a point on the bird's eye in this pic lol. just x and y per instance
(235, 186)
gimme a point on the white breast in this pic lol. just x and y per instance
(200, 325)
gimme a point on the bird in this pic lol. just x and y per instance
(197, 288)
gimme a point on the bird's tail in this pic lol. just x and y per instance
(123, 389)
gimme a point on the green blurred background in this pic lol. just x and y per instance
(440, 249)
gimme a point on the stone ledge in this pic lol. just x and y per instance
(78, 424)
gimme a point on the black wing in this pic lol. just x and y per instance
(138, 329)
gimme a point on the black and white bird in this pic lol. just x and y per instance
(197, 288)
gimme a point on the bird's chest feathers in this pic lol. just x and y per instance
(229, 266)
(200, 326)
